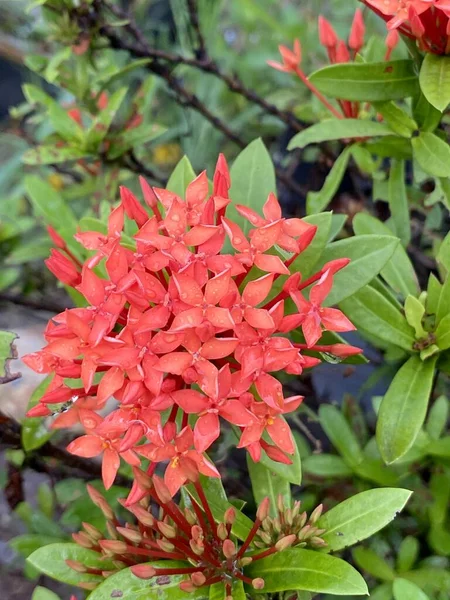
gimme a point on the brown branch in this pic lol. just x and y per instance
(200, 51)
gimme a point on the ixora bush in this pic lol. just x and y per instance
(193, 305)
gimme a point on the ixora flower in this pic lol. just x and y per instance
(427, 21)
(182, 335)
(205, 549)
(338, 51)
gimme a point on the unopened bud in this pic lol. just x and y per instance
(296, 509)
(167, 530)
(190, 515)
(130, 534)
(245, 561)
(228, 549)
(258, 583)
(187, 586)
(142, 479)
(110, 528)
(222, 531)
(280, 503)
(92, 531)
(318, 542)
(197, 532)
(229, 516)
(285, 542)
(198, 579)
(142, 515)
(161, 489)
(303, 519)
(82, 539)
(165, 545)
(197, 547)
(143, 571)
(115, 546)
(315, 515)
(100, 502)
(288, 516)
(303, 533)
(263, 509)
(276, 524)
(76, 566)
(266, 537)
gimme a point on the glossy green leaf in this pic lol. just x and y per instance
(360, 516)
(443, 333)
(326, 466)
(398, 120)
(134, 137)
(427, 116)
(102, 122)
(368, 255)
(41, 593)
(371, 312)
(414, 313)
(253, 179)
(337, 129)
(27, 543)
(398, 201)
(382, 592)
(430, 578)
(126, 586)
(390, 147)
(440, 448)
(318, 201)
(181, 177)
(298, 569)
(63, 124)
(443, 302)
(406, 589)
(341, 436)
(435, 80)
(266, 483)
(404, 406)
(49, 155)
(48, 203)
(337, 224)
(50, 560)
(370, 82)
(34, 432)
(398, 272)
(375, 471)
(437, 418)
(443, 255)
(407, 553)
(368, 560)
(432, 154)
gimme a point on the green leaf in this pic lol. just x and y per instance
(440, 448)
(29, 252)
(368, 255)
(7, 353)
(369, 561)
(51, 560)
(398, 272)
(443, 303)
(390, 147)
(406, 589)
(414, 313)
(434, 80)
(370, 82)
(437, 418)
(360, 516)
(8, 277)
(126, 586)
(48, 203)
(443, 333)
(397, 119)
(337, 223)
(403, 408)
(371, 312)
(34, 432)
(430, 578)
(219, 503)
(102, 122)
(407, 553)
(341, 436)
(382, 592)
(134, 137)
(327, 466)
(266, 483)
(41, 593)
(26, 544)
(253, 179)
(443, 255)
(398, 201)
(432, 154)
(317, 201)
(426, 115)
(49, 155)
(64, 125)
(337, 129)
(297, 569)
(181, 177)
(291, 473)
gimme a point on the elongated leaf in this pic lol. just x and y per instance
(440, 447)
(443, 255)
(398, 271)
(437, 418)
(341, 436)
(430, 578)
(101, 124)
(27, 543)
(265, 483)
(443, 302)
(48, 203)
(368, 255)
(435, 80)
(126, 586)
(427, 116)
(398, 201)
(317, 201)
(63, 124)
(390, 147)
(50, 560)
(372, 82)
(432, 154)
(297, 569)
(49, 155)
(252, 180)
(134, 137)
(181, 177)
(361, 516)
(397, 119)
(326, 465)
(41, 593)
(443, 333)
(337, 129)
(403, 409)
(406, 589)
(407, 553)
(368, 560)
(370, 311)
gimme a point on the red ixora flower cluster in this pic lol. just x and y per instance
(338, 51)
(182, 335)
(427, 21)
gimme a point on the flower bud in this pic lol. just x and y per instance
(143, 571)
(167, 530)
(76, 566)
(327, 35)
(285, 542)
(187, 586)
(92, 531)
(142, 515)
(82, 539)
(165, 545)
(263, 509)
(161, 489)
(115, 546)
(198, 579)
(190, 516)
(228, 549)
(245, 561)
(130, 534)
(229, 516)
(100, 502)
(258, 583)
(315, 515)
(112, 532)
(222, 531)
